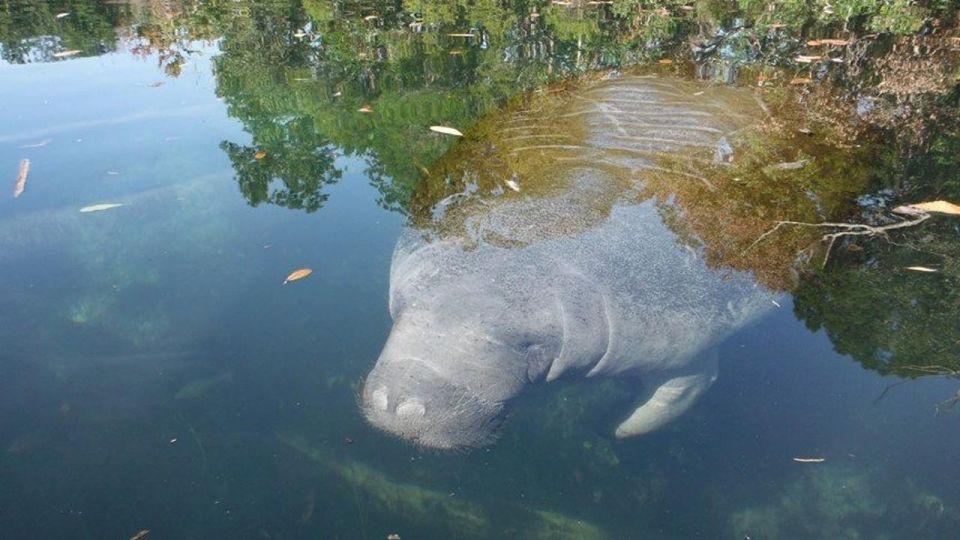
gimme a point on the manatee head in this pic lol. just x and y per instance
(408, 398)
(451, 365)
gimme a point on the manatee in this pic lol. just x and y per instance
(534, 254)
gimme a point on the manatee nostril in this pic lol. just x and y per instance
(379, 399)
(411, 407)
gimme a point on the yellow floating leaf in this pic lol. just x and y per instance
(922, 269)
(64, 54)
(259, 155)
(298, 275)
(938, 207)
(365, 109)
(446, 130)
(665, 61)
(99, 207)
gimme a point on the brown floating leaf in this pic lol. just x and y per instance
(665, 61)
(365, 109)
(64, 54)
(809, 459)
(446, 130)
(21, 178)
(922, 269)
(937, 207)
(259, 155)
(801, 80)
(297, 275)
(140, 535)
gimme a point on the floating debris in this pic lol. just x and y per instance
(21, 178)
(809, 459)
(140, 535)
(36, 144)
(832, 42)
(259, 155)
(512, 184)
(937, 207)
(297, 275)
(365, 109)
(665, 61)
(155, 84)
(393, 536)
(803, 59)
(446, 130)
(173, 440)
(922, 269)
(99, 207)
(801, 80)
(65, 54)
(464, 35)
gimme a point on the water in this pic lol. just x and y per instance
(156, 373)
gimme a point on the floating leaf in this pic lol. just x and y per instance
(298, 275)
(64, 54)
(62, 15)
(142, 534)
(99, 207)
(460, 35)
(801, 80)
(21, 178)
(365, 109)
(665, 61)
(803, 59)
(512, 185)
(259, 155)
(809, 459)
(446, 130)
(155, 84)
(922, 269)
(937, 207)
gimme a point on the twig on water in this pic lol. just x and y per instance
(843, 229)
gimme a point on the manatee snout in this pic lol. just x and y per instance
(407, 398)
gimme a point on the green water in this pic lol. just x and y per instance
(156, 373)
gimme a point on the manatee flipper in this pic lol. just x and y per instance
(670, 396)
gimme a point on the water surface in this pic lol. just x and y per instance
(156, 373)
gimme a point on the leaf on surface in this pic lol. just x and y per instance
(937, 207)
(99, 207)
(259, 155)
(298, 275)
(446, 130)
(922, 269)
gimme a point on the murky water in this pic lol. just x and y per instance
(157, 374)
